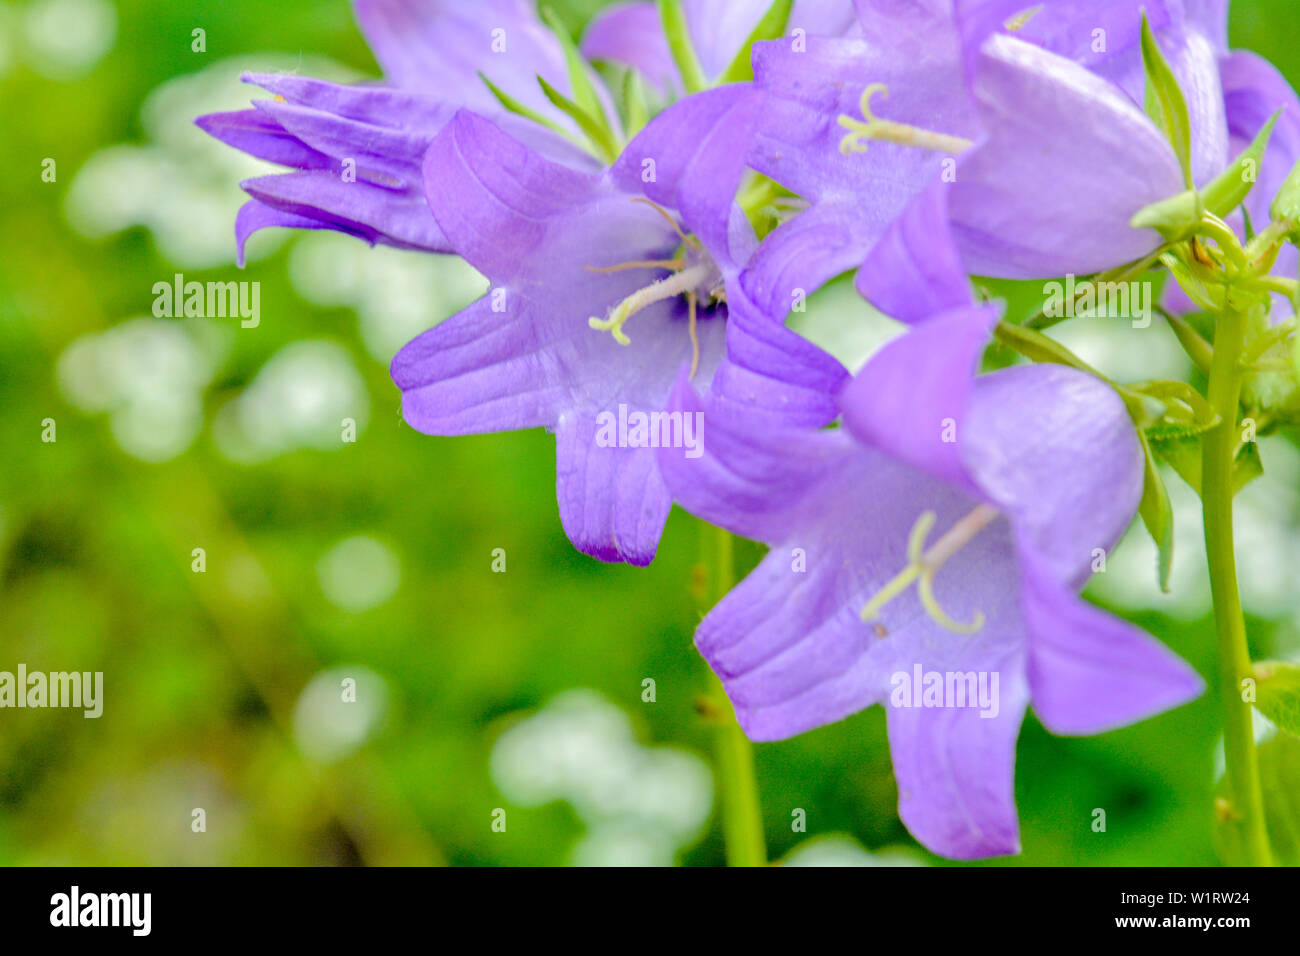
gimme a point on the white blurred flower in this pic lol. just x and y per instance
(148, 375)
(64, 39)
(359, 573)
(397, 294)
(641, 804)
(300, 399)
(338, 711)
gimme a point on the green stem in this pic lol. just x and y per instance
(1219, 452)
(742, 821)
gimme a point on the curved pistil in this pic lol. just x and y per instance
(923, 564)
(871, 127)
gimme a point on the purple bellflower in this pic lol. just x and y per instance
(356, 151)
(927, 557)
(1017, 116)
(605, 287)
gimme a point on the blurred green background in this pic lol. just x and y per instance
(372, 560)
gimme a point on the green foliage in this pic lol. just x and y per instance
(1279, 770)
(1277, 694)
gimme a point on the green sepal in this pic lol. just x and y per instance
(769, 27)
(635, 107)
(601, 138)
(1157, 514)
(512, 105)
(584, 91)
(679, 44)
(1177, 217)
(1286, 204)
(1165, 103)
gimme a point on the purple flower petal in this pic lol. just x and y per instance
(801, 255)
(1056, 449)
(479, 371)
(253, 217)
(955, 770)
(915, 270)
(773, 373)
(632, 35)
(677, 165)
(1089, 671)
(375, 213)
(438, 48)
(613, 502)
(257, 134)
(912, 399)
(1028, 202)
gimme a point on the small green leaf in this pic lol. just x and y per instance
(1247, 466)
(1165, 102)
(770, 27)
(1180, 448)
(1277, 694)
(679, 42)
(1279, 771)
(1158, 515)
(599, 134)
(1184, 405)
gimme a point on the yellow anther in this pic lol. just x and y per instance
(1017, 23)
(871, 127)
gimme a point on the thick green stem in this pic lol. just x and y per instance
(1219, 452)
(742, 821)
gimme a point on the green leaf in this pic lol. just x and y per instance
(1177, 217)
(1165, 102)
(598, 133)
(1279, 771)
(1180, 448)
(1277, 694)
(770, 27)
(584, 92)
(679, 43)
(1158, 515)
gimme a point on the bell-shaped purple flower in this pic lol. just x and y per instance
(1036, 125)
(355, 151)
(648, 251)
(927, 558)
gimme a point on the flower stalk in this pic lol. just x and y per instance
(742, 819)
(1219, 453)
